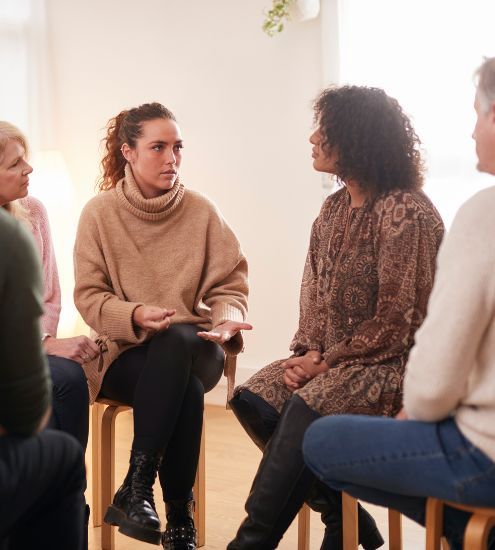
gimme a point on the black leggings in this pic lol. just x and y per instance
(165, 381)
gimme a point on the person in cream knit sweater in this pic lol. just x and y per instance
(442, 444)
(161, 279)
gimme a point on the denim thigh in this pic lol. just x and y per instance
(400, 456)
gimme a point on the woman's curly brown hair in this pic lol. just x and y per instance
(373, 139)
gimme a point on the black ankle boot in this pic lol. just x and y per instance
(133, 508)
(328, 502)
(281, 484)
(180, 533)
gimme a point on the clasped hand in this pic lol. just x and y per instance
(300, 370)
(78, 348)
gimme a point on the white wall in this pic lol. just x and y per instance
(243, 101)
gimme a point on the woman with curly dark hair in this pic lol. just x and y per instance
(366, 283)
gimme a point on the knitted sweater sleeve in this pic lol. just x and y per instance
(224, 283)
(51, 295)
(460, 313)
(308, 335)
(94, 295)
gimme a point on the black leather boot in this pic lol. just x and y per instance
(180, 533)
(133, 508)
(282, 482)
(328, 502)
(256, 416)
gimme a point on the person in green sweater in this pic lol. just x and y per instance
(161, 279)
(42, 475)
(442, 443)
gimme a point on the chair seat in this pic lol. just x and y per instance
(480, 524)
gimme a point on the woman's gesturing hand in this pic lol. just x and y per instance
(300, 370)
(224, 332)
(152, 317)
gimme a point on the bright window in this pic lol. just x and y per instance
(424, 53)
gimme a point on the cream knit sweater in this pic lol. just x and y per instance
(174, 251)
(451, 369)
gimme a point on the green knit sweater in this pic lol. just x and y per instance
(25, 387)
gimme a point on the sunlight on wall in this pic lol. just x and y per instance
(425, 53)
(50, 182)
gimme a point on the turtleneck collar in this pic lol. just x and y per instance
(131, 198)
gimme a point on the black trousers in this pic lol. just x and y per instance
(42, 483)
(70, 407)
(165, 381)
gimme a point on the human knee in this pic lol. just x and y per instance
(175, 340)
(246, 400)
(256, 416)
(69, 379)
(324, 437)
(66, 453)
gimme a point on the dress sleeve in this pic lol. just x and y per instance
(94, 295)
(308, 335)
(407, 238)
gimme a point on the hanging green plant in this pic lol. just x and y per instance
(276, 16)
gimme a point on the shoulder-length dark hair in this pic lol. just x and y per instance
(373, 139)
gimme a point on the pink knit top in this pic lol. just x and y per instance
(41, 231)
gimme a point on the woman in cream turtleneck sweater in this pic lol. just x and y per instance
(161, 279)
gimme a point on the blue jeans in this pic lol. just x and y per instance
(70, 398)
(398, 463)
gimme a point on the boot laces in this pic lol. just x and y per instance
(142, 481)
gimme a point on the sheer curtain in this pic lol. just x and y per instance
(26, 90)
(26, 100)
(424, 53)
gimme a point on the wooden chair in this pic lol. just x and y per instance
(477, 529)
(104, 415)
(350, 526)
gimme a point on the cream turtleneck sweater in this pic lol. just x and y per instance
(451, 369)
(174, 251)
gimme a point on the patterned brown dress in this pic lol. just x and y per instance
(366, 283)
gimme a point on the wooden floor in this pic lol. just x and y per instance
(231, 461)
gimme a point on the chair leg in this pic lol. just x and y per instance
(349, 522)
(108, 471)
(96, 418)
(394, 530)
(477, 531)
(200, 493)
(434, 523)
(303, 525)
